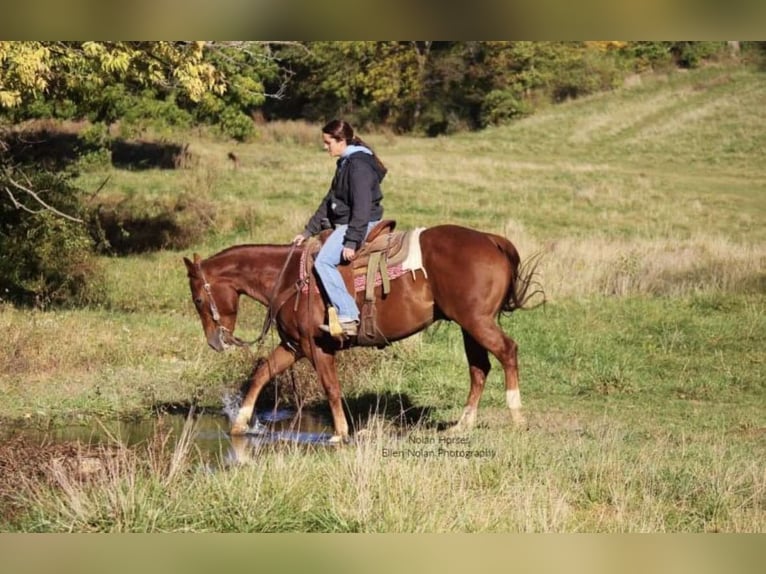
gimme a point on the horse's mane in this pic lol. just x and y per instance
(265, 248)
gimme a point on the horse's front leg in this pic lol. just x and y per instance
(280, 359)
(324, 363)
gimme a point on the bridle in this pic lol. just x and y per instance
(228, 338)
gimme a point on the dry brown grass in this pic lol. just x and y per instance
(25, 463)
(298, 132)
(575, 267)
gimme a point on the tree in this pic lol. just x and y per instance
(246, 68)
(44, 237)
(215, 82)
(367, 82)
(53, 70)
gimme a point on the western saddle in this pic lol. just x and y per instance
(383, 248)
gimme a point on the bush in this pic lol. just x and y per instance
(501, 106)
(644, 56)
(234, 124)
(94, 146)
(691, 54)
(583, 74)
(47, 259)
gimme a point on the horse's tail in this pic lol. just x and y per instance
(524, 283)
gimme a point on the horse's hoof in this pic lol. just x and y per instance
(338, 439)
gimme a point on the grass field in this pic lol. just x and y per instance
(643, 378)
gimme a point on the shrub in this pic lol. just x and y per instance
(645, 56)
(501, 106)
(235, 124)
(691, 54)
(94, 144)
(583, 74)
(47, 259)
(230, 120)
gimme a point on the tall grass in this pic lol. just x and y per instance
(599, 476)
(656, 267)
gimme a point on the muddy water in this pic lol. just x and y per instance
(209, 433)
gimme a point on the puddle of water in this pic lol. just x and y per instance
(211, 437)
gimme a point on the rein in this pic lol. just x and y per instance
(271, 308)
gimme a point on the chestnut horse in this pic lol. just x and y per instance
(468, 277)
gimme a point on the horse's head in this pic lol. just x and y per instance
(216, 303)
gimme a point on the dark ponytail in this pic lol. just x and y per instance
(342, 130)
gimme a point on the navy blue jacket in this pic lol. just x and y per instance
(354, 198)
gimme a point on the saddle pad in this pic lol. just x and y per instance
(360, 281)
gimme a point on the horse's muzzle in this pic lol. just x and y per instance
(217, 340)
(222, 339)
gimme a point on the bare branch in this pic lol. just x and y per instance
(18, 205)
(37, 198)
(266, 55)
(100, 187)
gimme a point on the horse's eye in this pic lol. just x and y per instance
(198, 300)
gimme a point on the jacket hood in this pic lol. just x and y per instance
(361, 153)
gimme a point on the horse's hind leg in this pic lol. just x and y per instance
(512, 392)
(279, 360)
(491, 337)
(478, 367)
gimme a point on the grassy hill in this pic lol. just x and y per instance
(664, 177)
(674, 139)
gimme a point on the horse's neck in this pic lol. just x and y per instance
(252, 270)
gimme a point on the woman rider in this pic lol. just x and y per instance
(353, 207)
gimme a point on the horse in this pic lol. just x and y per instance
(468, 276)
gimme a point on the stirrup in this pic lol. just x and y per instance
(348, 329)
(335, 327)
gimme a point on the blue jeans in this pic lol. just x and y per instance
(326, 267)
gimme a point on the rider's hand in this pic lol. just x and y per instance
(298, 239)
(348, 254)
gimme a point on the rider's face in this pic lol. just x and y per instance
(334, 147)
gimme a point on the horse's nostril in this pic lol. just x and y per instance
(216, 342)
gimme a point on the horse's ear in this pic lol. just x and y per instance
(190, 267)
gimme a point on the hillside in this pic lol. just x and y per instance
(676, 156)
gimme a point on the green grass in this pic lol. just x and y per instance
(643, 378)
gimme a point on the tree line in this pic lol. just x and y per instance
(425, 87)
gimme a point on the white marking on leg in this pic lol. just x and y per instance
(513, 399)
(243, 417)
